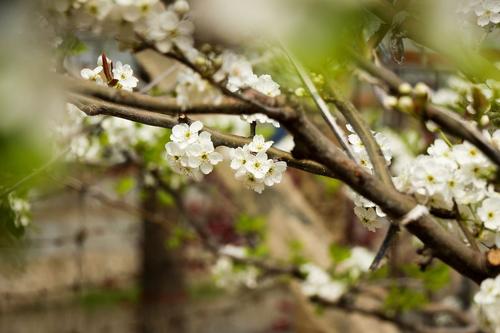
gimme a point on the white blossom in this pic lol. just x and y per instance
(190, 153)
(260, 118)
(487, 12)
(125, 76)
(185, 134)
(489, 213)
(226, 276)
(275, 172)
(265, 85)
(258, 165)
(21, 209)
(358, 262)
(368, 217)
(259, 144)
(240, 157)
(318, 283)
(487, 301)
(93, 74)
(253, 167)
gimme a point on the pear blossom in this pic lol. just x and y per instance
(258, 165)
(259, 118)
(98, 8)
(133, 10)
(125, 76)
(251, 182)
(368, 217)
(226, 276)
(233, 251)
(275, 172)
(358, 262)
(237, 70)
(165, 29)
(488, 11)
(259, 144)
(203, 154)
(93, 74)
(253, 167)
(181, 7)
(487, 301)
(190, 153)
(318, 283)
(21, 209)
(240, 157)
(185, 134)
(489, 213)
(265, 85)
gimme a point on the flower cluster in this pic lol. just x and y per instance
(226, 275)
(163, 26)
(480, 100)
(192, 88)
(21, 209)
(367, 212)
(253, 166)
(259, 118)
(119, 76)
(110, 139)
(487, 300)
(191, 153)
(239, 74)
(447, 175)
(487, 12)
(319, 283)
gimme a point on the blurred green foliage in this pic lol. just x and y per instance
(95, 298)
(338, 253)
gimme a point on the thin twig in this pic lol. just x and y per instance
(158, 79)
(465, 230)
(320, 103)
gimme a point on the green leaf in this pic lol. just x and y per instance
(296, 252)
(250, 225)
(404, 299)
(72, 46)
(338, 253)
(125, 185)
(165, 198)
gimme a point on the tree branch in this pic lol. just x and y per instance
(448, 120)
(93, 107)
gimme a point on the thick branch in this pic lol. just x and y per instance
(444, 246)
(451, 122)
(93, 107)
(163, 105)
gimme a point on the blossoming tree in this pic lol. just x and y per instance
(446, 197)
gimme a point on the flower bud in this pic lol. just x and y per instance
(404, 88)
(181, 7)
(405, 104)
(300, 92)
(431, 126)
(421, 90)
(390, 102)
(485, 120)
